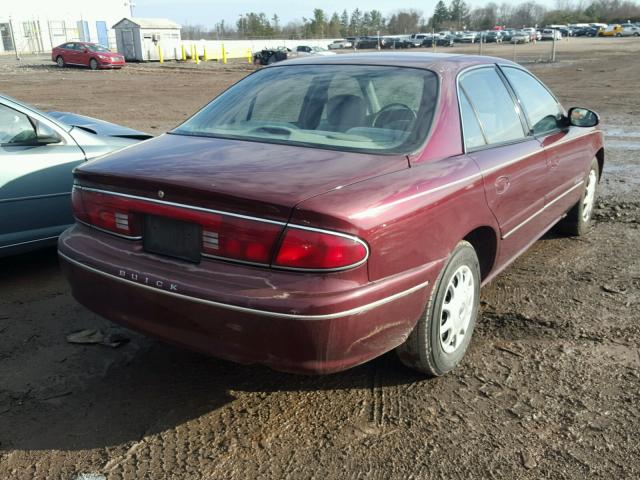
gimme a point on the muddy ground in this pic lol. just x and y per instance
(550, 387)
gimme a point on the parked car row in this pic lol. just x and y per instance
(497, 35)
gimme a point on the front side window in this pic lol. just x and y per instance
(542, 110)
(346, 107)
(15, 127)
(97, 48)
(495, 108)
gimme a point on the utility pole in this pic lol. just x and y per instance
(13, 39)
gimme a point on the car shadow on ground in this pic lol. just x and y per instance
(92, 396)
(148, 387)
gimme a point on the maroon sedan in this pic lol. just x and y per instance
(86, 54)
(326, 210)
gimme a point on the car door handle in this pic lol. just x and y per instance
(502, 185)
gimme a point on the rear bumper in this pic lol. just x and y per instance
(292, 329)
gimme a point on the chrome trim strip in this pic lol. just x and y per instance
(522, 224)
(34, 197)
(373, 211)
(253, 311)
(29, 241)
(179, 205)
(233, 260)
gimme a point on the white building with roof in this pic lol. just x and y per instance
(139, 39)
(36, 26)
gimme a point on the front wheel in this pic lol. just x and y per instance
(60, 61)
(441, 337)
(579, 219)
(93, 64)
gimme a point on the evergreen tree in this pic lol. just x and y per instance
(440, 15)
(344, 23)
(459, 12)
(355, 26)
(335, 25)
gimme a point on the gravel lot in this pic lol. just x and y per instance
(550, 387)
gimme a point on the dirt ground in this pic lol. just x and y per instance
(550, 387)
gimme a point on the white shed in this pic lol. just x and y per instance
(138, 39)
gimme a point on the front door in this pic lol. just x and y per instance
(35, 179)
(567, 155)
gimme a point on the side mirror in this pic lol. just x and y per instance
(583, 117)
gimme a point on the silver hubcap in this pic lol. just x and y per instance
(589, 196)
(457, 309)
(60, 62)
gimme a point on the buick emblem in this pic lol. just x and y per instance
(160, 194)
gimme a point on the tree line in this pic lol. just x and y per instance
(456, 15)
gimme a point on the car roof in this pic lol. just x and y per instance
(430, 61)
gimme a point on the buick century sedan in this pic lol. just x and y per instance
(323, 211)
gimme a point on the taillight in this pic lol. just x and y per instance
(108, 212)
(319, 250)
(224, 236)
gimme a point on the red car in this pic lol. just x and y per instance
(325, 210)
(86, 54)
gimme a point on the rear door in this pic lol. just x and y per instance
(69, 53)
(513, 163)
(35, 180)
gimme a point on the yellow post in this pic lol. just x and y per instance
(195, 52)
(249, 55)
(205, 57)
(184, 53)
(224, 54)
(160, 54)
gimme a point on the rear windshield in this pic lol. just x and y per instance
(343, 107)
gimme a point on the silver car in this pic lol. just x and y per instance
(38, 151)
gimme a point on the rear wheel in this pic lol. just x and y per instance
(579, 219)
(441, 337)
(60, 61)
(93, 64)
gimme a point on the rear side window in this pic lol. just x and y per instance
(473, 136)
(542, 111)
(496, 110)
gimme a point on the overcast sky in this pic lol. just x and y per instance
(210, 12)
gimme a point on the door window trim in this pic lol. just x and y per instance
(523, 122)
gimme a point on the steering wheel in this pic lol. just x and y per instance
(394, 112)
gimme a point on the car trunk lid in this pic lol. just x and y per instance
(243, 177)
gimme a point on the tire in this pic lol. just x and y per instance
(60, 61)
(580, 218)
(430, 350)
(93, 64)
